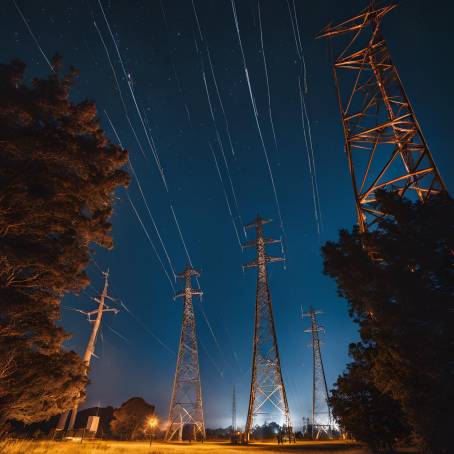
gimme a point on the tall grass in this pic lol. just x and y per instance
(114, 447)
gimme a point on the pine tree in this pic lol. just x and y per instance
(363, 411)
(403, 303)
(58, 176)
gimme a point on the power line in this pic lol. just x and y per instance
(254, 108)
(136, 178)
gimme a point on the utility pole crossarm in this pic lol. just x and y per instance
(89, 314)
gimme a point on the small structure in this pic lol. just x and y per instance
(92, 424)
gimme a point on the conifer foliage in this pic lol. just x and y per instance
(399, 282)
(58, 176)
(364, 412)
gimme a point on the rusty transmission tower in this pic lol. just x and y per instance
(321, 412)
(186, 405)
(384, 142)
(267, 397)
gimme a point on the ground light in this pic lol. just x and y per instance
(152, 422)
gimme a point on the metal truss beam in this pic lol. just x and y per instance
(384, 142)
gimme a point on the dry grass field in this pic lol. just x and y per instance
(113, 447)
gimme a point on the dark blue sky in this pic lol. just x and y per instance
(418, 34)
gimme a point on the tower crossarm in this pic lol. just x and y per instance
(194, 292)
(188, 291)
(317, 329)
(309, 314)
(259, 243)
(258, 221)
(268, 259)
(188, 272)
(253, 243)
(358, 22)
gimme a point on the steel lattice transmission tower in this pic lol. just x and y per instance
(186, 404)
(267, 396)
(384, 142)
(321, 412)
(233, 410)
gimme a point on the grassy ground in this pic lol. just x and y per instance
(113, 447)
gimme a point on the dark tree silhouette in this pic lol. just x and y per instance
(130, 420)
(402, 297)
(58, 176)
(267, 431)
(363, 411)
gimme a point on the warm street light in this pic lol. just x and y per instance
(152, 422)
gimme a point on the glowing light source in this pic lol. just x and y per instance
(152, 422)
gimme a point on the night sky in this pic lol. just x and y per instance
(164, 67)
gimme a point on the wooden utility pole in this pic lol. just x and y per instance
(89, 351)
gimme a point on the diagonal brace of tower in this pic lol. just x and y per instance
(186, 408)
(384, 142)
(267, 395)
(321, 412)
